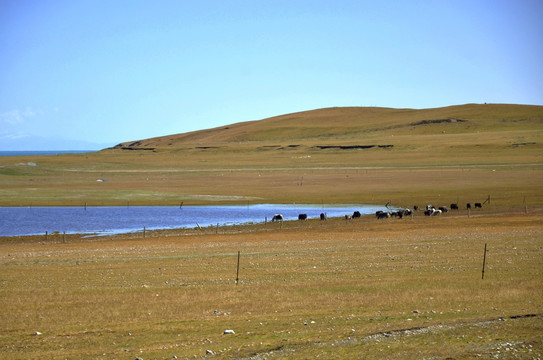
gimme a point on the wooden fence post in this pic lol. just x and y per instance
(484, 261)
(237, 271)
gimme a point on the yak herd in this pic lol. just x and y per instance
(429, 211)
(400, 213)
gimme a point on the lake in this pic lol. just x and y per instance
(42, 152)
(19, 221)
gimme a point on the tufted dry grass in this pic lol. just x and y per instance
(406, 289)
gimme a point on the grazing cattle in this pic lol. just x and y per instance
(348, 217)
(302, 217)
(416, 208)
(277, 217)
(478, 205)
(468, 206)
(443, 209)
(356, 214)
(454, 206)
(398, 213)
(405, 212)
(382, 214)
(323, 216)
(432, 211)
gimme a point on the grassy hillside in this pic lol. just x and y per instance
(351, 125)
(354, 137)
(334, 155)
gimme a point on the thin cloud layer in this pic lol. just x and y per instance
(17, 116)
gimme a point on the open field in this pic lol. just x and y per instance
(373, 289)
(507, 185)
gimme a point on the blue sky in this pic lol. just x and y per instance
(93, 73)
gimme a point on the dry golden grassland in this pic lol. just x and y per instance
(406, 188)
(154, 181)
(367, 288)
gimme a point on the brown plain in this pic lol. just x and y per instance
(367, 288)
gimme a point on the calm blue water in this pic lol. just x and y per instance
(18, 221)
(45, 152)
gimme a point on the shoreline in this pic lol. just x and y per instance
(252, 227)
(112, 220)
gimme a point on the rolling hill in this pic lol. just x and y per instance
(361, 126)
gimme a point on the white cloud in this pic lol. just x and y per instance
(14, 117)
(11, 136)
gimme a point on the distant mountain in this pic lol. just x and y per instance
(38, 143)
(347, 126)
